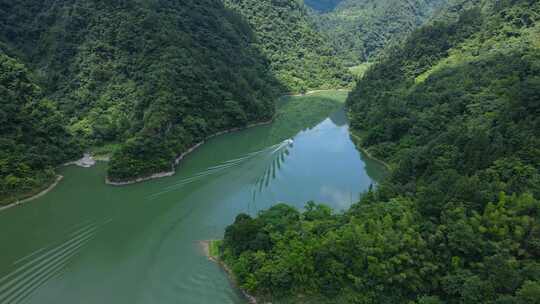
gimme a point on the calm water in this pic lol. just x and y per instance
(86, 242)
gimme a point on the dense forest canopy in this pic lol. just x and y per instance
(453, 9)
(33, 135)
(300, 57)
(360, 29)
(156, 76)
(455, 111)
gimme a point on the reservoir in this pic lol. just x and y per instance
(87, 242)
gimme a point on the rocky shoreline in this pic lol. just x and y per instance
(180, 158)
(87, 161)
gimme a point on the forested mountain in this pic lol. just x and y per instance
(33, 135)
(359, 29)
(300, 57)
(156, 76)
(455, 112)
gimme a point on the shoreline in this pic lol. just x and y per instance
(33, 197)
(197, 145)
(205, 246)
(87, 161)
(366, 152)
(182, 156)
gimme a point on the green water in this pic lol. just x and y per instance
(86, 242)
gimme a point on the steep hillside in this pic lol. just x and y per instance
(33, 138)
(455, 111)
(156, 76)
(485, 62)
(299, 56)
(359, 29)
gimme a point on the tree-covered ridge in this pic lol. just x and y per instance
(300, 57)
(359, 29)
(386, 252)
(155, 75)
(471, 78)
(455, 112)
(33, 138)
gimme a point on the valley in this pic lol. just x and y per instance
(322, 151)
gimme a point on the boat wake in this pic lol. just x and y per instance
(271, 150)
(44, 265)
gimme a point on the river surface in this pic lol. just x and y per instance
(86, 242)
